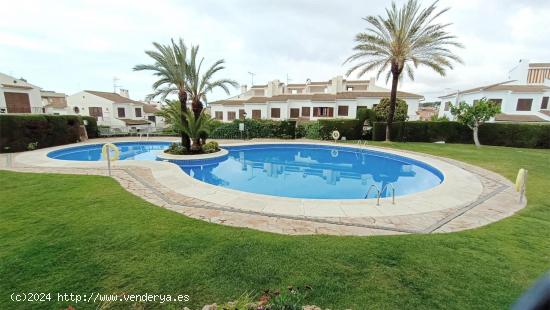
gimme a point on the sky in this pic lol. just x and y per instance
(69, 46)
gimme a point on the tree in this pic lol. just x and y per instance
(199, 84)
(382, 110)
(195, 127)
(403, 40)
(475, 115)
(170, 68)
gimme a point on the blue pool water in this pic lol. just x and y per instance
(290, 170)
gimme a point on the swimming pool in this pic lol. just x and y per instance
(306, 171)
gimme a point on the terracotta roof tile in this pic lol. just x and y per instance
(114, 97)
(150, 108)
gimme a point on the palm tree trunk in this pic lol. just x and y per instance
(182, 96)
(196, 146)
(393, 101)
(196, 106)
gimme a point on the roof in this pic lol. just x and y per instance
(16, 86)
(317, 97)
(506, 87)
(539, 65)
(49, 93)
(517, 118)
(10, 81)
(150, 108)
(114, 97)
(135, 121)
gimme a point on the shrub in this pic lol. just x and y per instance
(349, 128)
(312, 130)
(176, 149)
(18, 131)
(383, 109)
(210, 147)
(91, 126)
(255, 129)
(498, 134)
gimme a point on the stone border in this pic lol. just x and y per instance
(188, 158)
(494, 203)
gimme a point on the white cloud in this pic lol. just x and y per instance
(74, 45)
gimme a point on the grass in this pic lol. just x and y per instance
(68, 233)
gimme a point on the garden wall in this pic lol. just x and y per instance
(20, 132)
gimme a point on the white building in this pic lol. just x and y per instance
(110, 109)
(524, 98)
(336, 98)
(19, 96)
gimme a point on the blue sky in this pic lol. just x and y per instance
(68, 46)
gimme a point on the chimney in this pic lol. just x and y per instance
(124, 93)
(243, 89)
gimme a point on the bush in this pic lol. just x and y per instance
(211, 147)
(18, 131)
(255, 129)
(349, 128)
(176, 149)
(91, 126)
(383, 109)
(498, 134)
(312, 130)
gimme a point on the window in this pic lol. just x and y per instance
(242, 114)
(447, 106)
(17, 102)
(256, 114)
(138, 112)
(544, 105)
(524, 104)
(343, 110)
(231, 115)
(121, 112)
(294, 113)
(323, 112)
(95, 112)
(497, 102)
(152, 118)
(306, 112)
(76, 110)
(218, 115)
(275, 113)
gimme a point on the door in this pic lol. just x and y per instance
(17, 102)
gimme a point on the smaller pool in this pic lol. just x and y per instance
(128, 151)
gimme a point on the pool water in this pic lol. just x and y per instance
(291, 170)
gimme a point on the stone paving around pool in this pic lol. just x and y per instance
(497, 200)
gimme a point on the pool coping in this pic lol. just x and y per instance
(498, 200)
(458, 189)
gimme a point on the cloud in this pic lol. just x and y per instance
(73, 45)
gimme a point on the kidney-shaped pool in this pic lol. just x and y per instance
(307, 171)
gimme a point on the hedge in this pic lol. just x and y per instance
(499, 134)
(349, 128)
(254, 129)
(18, 131)
(91, 126)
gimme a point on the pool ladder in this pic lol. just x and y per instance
(379, 192)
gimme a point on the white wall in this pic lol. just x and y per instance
(84, 101)
(509, 101)
(286, 106)
(35, 98)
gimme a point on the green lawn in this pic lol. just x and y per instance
(63, 233)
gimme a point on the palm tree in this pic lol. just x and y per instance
(170, 67)
(195, 127)
(405, 39)
(198, 85)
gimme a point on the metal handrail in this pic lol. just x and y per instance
(392, 190)
(377, 193)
